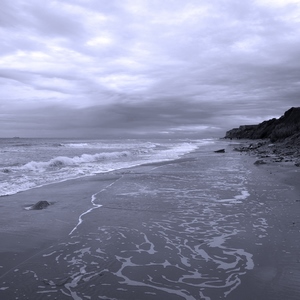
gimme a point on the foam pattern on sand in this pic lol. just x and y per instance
(160, 261)
(191, 250)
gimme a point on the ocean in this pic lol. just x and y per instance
(31, 163)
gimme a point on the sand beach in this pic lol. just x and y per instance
(206, 226)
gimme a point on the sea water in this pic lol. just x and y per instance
(30, 163)
(186, 229)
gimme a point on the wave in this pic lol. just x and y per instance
(23, 145)
(77, 145)
(103, 145)
(64, 161)
(19, 177)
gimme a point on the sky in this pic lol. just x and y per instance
(95, 68)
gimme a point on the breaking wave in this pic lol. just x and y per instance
(63, 161)
(43, 165)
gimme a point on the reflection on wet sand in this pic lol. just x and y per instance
(168, 233)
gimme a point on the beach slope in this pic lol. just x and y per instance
(207, 226)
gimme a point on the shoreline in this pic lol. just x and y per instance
(279, 161)
(140, 231)
(156, 163)
(274, 157)
(277, 271)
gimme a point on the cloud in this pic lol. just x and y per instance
(139, 66)
(170, 115)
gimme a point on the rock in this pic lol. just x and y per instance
(220, 151)
(40, 205)
(260, 162)
(278, 159)
(278, 139)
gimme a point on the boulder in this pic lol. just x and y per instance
(220, 151)
(40, 205)
(260, 162)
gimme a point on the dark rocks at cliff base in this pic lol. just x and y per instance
(278, 139)
(272, 152)
(287, 126)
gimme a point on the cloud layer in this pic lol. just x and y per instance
(82, 68)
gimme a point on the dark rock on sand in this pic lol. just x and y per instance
(40, 205)
(260, 162)
(220, 151)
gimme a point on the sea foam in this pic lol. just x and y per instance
(62, 161)
(46, 162)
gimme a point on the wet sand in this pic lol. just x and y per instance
(210, 226)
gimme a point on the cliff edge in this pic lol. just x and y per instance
(287, 127)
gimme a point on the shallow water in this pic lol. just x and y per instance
(187, 229)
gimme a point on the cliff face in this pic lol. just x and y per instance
(287, 126)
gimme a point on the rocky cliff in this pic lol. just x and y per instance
(287, 127)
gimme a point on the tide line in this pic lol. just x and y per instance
(95, 206)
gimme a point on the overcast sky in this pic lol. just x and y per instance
(87, 68)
